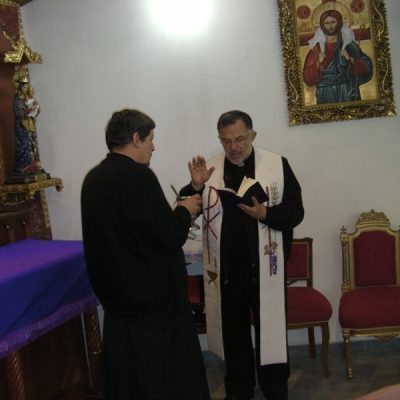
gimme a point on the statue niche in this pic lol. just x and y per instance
(22, 178)
(19, 154)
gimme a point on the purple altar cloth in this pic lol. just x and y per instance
(43, 283)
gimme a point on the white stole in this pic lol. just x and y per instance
(269, 172)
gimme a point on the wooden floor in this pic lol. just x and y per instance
(375, 364)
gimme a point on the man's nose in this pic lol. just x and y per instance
(234, 145)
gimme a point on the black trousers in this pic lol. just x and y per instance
(240, 300)
(152, 363)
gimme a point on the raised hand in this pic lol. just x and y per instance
(199, 172)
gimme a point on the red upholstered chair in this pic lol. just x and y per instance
(196, 298)
(370, 302)
(306, 306)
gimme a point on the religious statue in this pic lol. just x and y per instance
(26, 110)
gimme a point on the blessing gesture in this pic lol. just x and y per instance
(199, 172)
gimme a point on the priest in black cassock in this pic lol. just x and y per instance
(132, 241)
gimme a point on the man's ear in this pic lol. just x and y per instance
(136, 139)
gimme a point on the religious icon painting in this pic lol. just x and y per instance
(336, 60)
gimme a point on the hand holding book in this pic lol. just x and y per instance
(248, 189)
(257, 210)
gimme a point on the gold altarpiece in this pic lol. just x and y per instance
(19, 189)
(22, 190)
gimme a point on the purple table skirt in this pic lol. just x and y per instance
(43, 283)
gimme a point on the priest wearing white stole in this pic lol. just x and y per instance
(245, 249)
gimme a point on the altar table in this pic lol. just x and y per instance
(43, 284)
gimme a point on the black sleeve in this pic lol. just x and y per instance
(148, 209)
(290, 212)
(188, 190)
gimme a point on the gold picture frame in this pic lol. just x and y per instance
(368, 92)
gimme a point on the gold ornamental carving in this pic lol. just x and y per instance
(19, 47)
(19, 193)
(372, 218)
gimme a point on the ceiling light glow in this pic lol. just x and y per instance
(181, 17)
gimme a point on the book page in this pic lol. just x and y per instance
(245, 185)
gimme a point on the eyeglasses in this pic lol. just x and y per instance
(237, 140)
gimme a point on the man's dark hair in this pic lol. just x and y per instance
(123, 124)
(230, 117)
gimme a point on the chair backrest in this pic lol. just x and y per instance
(299, 265)
(370, 254)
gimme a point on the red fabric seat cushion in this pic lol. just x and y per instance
(306, 304)
(370, 307)
(195, 289)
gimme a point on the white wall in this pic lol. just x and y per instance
(102, 55)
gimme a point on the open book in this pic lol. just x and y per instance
(248, 189)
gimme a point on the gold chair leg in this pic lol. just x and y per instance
(325, 344)
(311, 342)
(348, 355)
